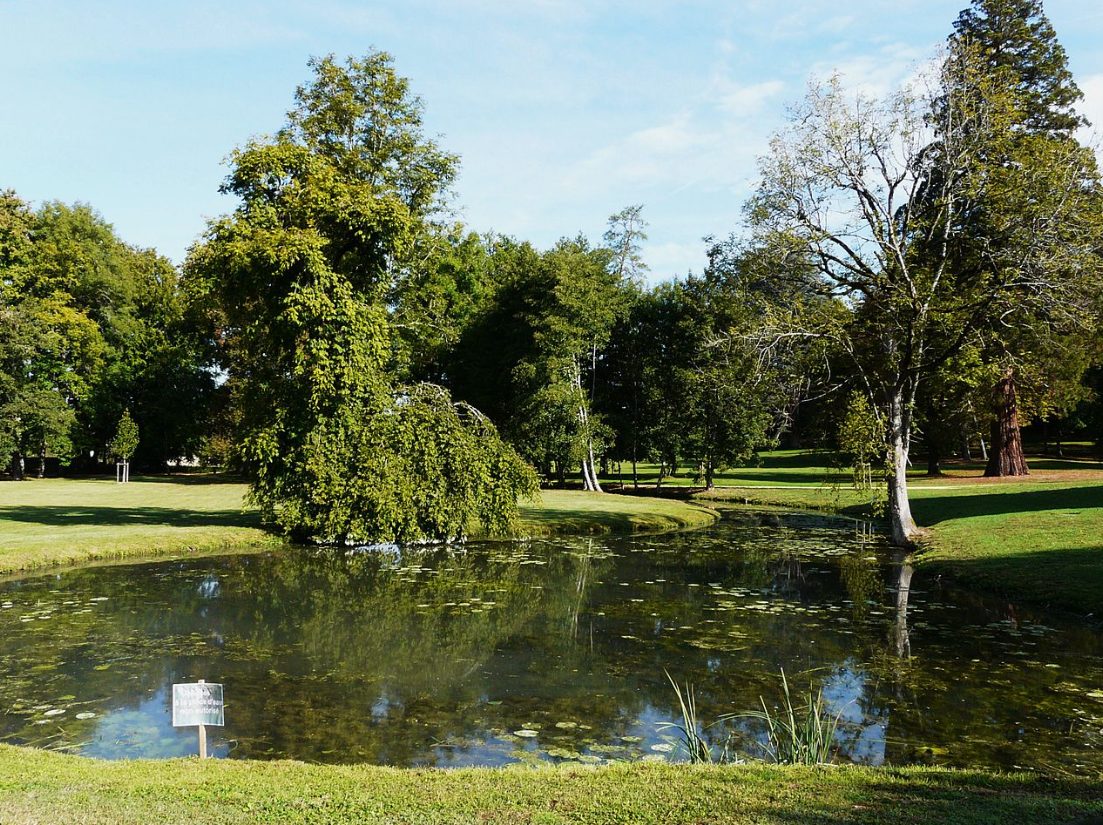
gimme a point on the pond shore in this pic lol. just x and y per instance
(1037, 538)
(50, 522)
(41, 787)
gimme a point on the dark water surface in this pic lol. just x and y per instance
(547, 650)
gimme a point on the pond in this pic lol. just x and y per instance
(552, 650)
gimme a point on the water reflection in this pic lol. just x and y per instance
(550, 650)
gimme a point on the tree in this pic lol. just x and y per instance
(576, 299)
(871, 194)
(125, 441)
(298, 282)
(1016, 47)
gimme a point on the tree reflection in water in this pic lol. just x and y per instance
(438, 656)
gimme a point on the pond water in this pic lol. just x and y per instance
(547, 650)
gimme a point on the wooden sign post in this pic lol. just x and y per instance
(198, 704)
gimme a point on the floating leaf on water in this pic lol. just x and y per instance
(85, 715)
(563, 753)
(54, 712)
(631, 739)
(662, 747)
(525, 733)
(566, 725)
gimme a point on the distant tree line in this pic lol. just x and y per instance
(920, 269)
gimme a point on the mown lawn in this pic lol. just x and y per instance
(40, 787)
(64, 521)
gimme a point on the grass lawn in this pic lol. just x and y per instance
(64, 521)
(564, 512)
(40, 787)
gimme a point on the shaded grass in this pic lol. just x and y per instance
(69, 521)
(43, 787)
(1043, 543)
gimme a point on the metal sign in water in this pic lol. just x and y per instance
(197, 704)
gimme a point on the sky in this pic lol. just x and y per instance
(562, 111)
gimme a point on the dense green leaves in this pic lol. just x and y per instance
(299, 283)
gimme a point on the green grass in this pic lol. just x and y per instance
(565, 512)
(1040, 542)
(65, 521)
(40, 787)
(69, 521)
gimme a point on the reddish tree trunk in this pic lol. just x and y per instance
(1005, 458)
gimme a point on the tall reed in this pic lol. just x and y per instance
(694, 743)
(798, 735)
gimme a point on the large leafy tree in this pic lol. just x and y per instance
(110, 331)
(51, 351)
(1034, 363)
(871, 194)
(299, 280)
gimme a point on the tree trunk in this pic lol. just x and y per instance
(934, 460)
(966, 453)
(709, 471)
(593, 469)
(1006, 456)
(983, 450)
(42, 462)
(904, 528)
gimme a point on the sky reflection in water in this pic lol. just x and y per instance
(547, 650)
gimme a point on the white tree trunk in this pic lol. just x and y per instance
(904, 528)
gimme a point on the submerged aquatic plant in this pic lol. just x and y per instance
(798, 735)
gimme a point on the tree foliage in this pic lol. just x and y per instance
(126, 439)
(298, 281)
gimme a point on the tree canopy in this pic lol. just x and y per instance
(298, 280)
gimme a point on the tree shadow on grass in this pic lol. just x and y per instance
(954, 504)
(71, 516)
(189, 479)
(1068, 579)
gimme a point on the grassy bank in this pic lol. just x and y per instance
(573, 512)
(39, 787)
(1037, 538)
(68, 521)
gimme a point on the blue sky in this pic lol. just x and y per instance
(562, 111)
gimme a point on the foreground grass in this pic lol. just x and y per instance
(40, 787)
(69, 521)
